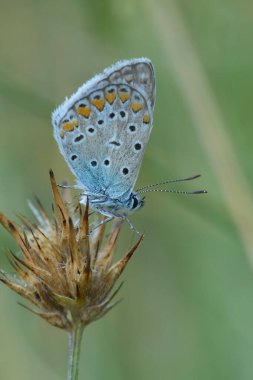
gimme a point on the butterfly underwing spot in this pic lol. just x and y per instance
(78, 138)
(124, 89)
(100, 122)
(93, 163)
(137, 97)
(71, 114)
(146, 119)
(112, 115)
(67, 126)
(106, 162)
(98, 100)
(136, 107)
(132, 128)
(122, 114)
(137, 146)
(73, 157)
(125, 171)
(83, 109)
(136, 102)
(90, 130)
(115, 143)
(110, 94)
(124, 94)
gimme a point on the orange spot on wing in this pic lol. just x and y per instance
(110, 97)
(146, 119)
(84, 111)
(123, 97)
(136, 106)
(99, 104)
(62, 133)
(68, 127)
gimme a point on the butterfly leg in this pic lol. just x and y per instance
(121, 217)
(132, 226)
(101, 223)
(69, 187)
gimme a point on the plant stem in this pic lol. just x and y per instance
(75, 338)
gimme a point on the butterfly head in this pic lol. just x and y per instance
(135, 202)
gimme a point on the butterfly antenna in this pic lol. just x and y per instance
(169, 181)
(173, 191)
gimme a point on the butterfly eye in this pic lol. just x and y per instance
(135, 202)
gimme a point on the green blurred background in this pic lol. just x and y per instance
(187, 312)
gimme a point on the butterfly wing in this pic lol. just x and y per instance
(103, 128)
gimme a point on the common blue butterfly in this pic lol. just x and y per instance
(102, 131)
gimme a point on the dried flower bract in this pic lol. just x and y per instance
(65, 272)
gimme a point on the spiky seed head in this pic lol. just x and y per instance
(63, 270)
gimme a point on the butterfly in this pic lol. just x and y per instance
(102, 131)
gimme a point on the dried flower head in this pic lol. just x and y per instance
(64, 271)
